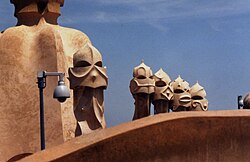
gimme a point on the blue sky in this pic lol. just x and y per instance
(206, 41)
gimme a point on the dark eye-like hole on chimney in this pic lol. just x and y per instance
(41, 6)
(141, 77)
(197, 98)
(82, 64)
(178, 91)
(99, 63)
(160, 84)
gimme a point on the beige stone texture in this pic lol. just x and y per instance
(198, 98)
(163, 92)
(182, 97)
(142, 81)
(37, 43)
(246, 101)
(222, 136)
(88, 79)
(142, 88)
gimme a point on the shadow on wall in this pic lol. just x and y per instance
(19, 157)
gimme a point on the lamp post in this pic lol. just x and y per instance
(61, 93)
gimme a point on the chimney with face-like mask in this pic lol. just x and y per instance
(29, 12)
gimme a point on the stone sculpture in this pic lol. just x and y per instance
(198, 98)
(163, 92)
(246, 102)
(88, 79)
(142, 88)
(182, 97)
(37, 43)
(29, 12)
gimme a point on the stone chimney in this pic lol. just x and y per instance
(30, 12)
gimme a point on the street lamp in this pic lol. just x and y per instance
(61, 93)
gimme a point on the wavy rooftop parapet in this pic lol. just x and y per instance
(193, 136)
